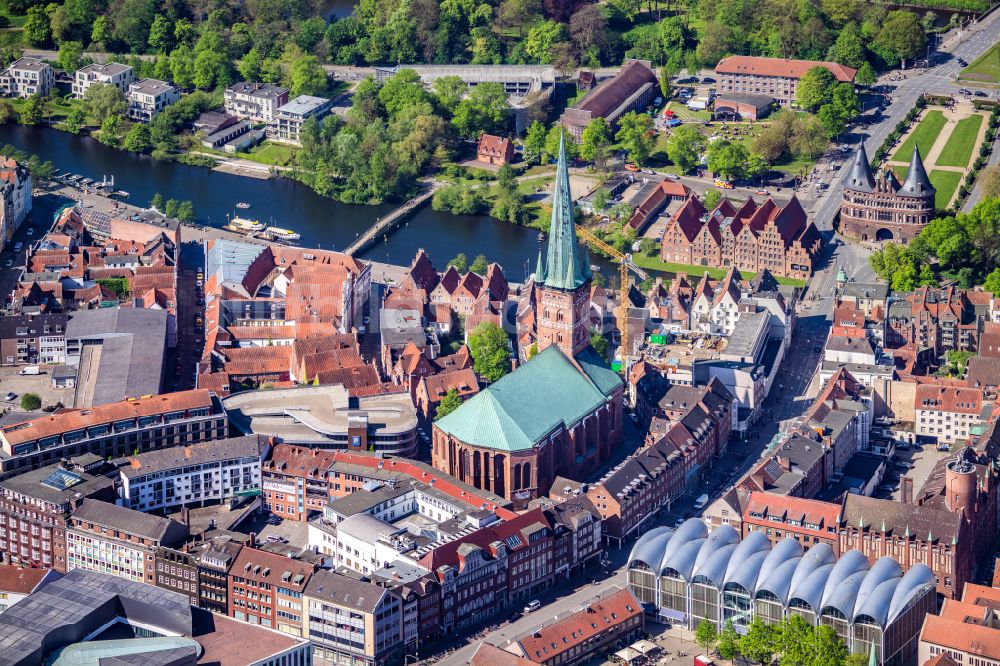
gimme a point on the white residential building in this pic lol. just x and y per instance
(110, 74)
(946, 413)
(288, 119)
(196, 474)
(26, 77)
(147, 97)
(716, 310)
(256, 102)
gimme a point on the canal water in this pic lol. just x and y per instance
(322, 222)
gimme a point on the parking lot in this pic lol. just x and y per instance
(916, 463)
(11, 381)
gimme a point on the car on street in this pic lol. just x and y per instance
(980, 93)
(631, 167)
(942, 447)
(762, 193)
(965, 91)
(708, 79)
(724, 184)
(17, 246)
(31, 231)
(532, 605)
(673, 176)
(10, 396)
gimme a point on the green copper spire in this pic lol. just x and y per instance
(872, 659)
(564, 268)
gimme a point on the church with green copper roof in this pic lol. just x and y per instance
(558, 414)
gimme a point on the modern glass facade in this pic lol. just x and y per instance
(690, 575)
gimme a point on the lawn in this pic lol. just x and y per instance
(958, 150)
(655, 264)
(945, 182)
(923, 137)
(270, 153)
(985, 68)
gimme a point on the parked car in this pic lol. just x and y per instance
(532, 605)
(965, 91)
(724, 184)
(673, 176)
(762, 193)
(274, 538)
(631, 167)
(11, 396)
(17, 246)
(31, 231)
(980, 93)
(942, 447)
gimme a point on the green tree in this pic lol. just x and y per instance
(552, 144)
(480, 264)
(849, 49)
(33, 111)
(595, 143)
(635, 134)
(70, 56)
(101, 30)
(449, 91)
(37, 31)
(449, 403)
(211, 69)
(711, 198)
(103, 100)
(161, 34)
(7, 112)
(534, 143)
(927, 277)
(706, 635)
(815, 88)
(902, 35)
(130, 23)
(759, 643)
(729, 642)
(484, 109)
(309, 33)
(541, 40)
(727, 158)
(866, 75)
(685, 146)
(185, 212)
(992, 282)
(75, 120)
(157, 202)
(756, 166)
(137, 138)
(600, 200)
(250, 64)
(170, 208)
(111, 130)
(795, 641)
(490, 349)
(855, 659)
(307, 77)
(600, 344)
(665, 83)
(460, 262)
(30, 402)
(828, 649)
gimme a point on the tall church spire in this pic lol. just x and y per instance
(564, 268)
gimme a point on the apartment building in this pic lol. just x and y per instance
(147, 97)
(15, 197)
(108, 74)
(193, 475)
(966, 631)
(107, 538)
(808, 521)
(352, 621)
(266, 588)
(35, 508)
(289, 117)
(945, 413)
(177, 571)
(115, 430)
(39, 338)
(777, 78)
(26, 77)
(256, 102)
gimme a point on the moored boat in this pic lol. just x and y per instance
(277, 233)
(244, 225)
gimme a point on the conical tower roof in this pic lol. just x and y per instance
(861, 178)
(565, 267)
(917, 184)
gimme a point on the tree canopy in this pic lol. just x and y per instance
(490, 349)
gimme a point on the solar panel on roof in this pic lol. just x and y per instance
(62, 479)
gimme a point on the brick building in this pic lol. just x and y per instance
(494, 150)
(632, 89)
(751, 237)
(35, 508)
(775, 77)
(940, 318)
(808, 521)
(266, 589)
(966, 631)
(879, 207)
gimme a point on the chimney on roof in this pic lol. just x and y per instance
(252, 541)
(906, 490)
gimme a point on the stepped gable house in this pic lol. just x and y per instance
(879, 208)
(559, 414)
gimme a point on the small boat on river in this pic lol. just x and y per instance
(279, 234)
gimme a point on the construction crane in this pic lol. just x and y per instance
(625, 265)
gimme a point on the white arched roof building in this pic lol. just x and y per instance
(689, 575)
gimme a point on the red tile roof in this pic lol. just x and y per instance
(786, 507)
(953, 399)
(793, 69)
(491, 655)
(266, 567)
(581, 627)
(82, 418)
(20, 580)
(496, 146)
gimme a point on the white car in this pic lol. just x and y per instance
(533, 605)
(10, 395)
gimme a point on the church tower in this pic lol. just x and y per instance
(562, 279)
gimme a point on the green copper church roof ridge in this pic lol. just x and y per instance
(564, 267)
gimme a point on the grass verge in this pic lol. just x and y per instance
(958, 150)
(985, 68)
(656, 264)
(923, 137)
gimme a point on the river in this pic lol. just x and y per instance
(322, 222)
